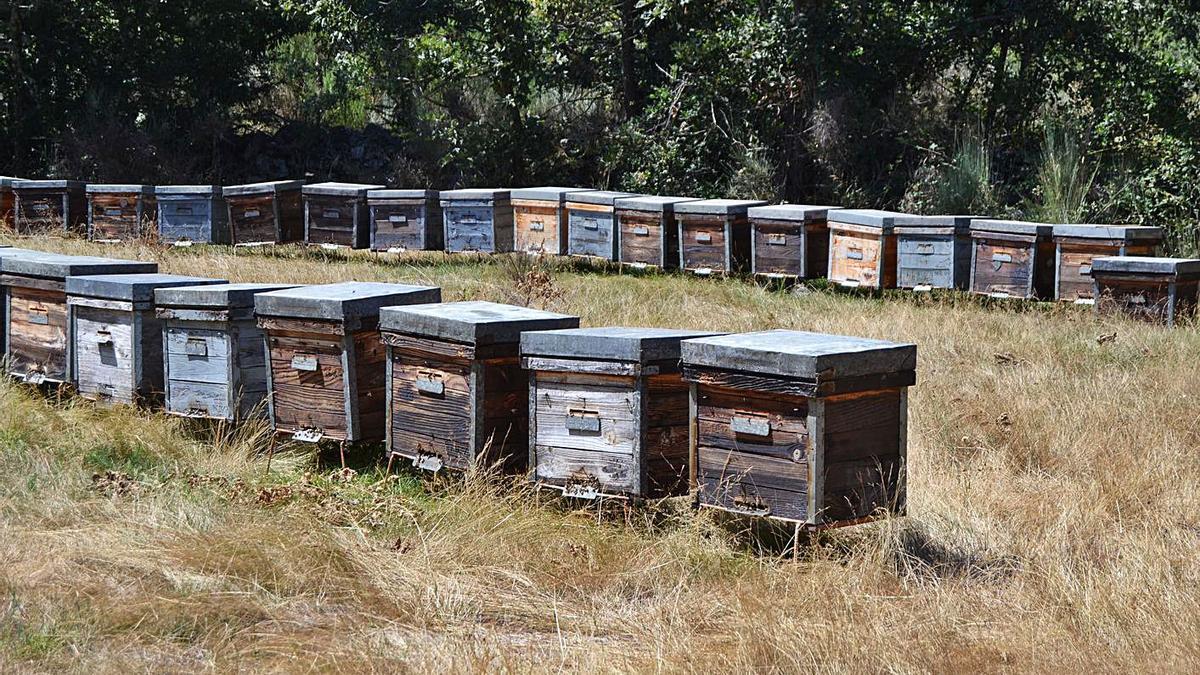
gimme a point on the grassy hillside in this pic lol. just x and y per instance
(1054, 519)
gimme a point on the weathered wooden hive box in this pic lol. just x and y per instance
(862, 247)
(646, 231)
(800, 427)
(1076, 246)
(192, 214)
(607, 411)
(265, 213)
(39, 331)
(591, 224)
(1012, 259)
(457, 395)
(49, 206)
(789, 241)
(933, 252)
(214, 353)
(120, 212)
(7, 202)
(714, 235)
(336, 214)
(1158, 290)
(7, 251)
(326, 366)
(405, 220)
(540, 219)
(478, 220)
(116, 338)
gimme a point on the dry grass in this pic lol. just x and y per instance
(1054, 517)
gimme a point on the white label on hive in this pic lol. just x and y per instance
(1085, 269)
(398, 221)
(308, 436)
(332, 214)
(182, 243)
(537, 226)
(331, 247)
(777, 239)
(39, 316)
(196, 346)
(252, 213)
(304, 362)
(1002, 257)
(396, 249)
(583, 421)
(1084, 301)
(110, 211)
(751, 426)
(922, 288)
(580, 491)
(638, 265)
(431, 463)
(850, 283)
(641, 231)
(702, 271)
(703, 238)
(35, 378)
(854, 254)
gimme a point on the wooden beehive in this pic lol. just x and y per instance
(49, 206)
(1012, 259)
(1076, 245)
(336, 214)
(539, 219)
(799, 427)
(214, 358)
(646, 231)
(933, 252)
(192, 214)
(591, 224)
(265, 213)
(120, 212)
(457, 395)
(38, 348)
(479, 220)
(326, 371)
(7, 251)
(862, 248)
(714, 235)
(789, 241)
(7, 202)
(405, 220)
(607, 411)
(116, 338)
(1157, 290)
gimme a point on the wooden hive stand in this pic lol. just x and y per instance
(646, 233)
(405, 220)
(260, 214)
(1157, 290)
(116, 338)
(789, 241)
(608, 411)
(336, 214)
(49, 206)
(457, 395)
(38, 348)
(478, 220)
(539, 218)
(714, 235)
(1012, 259)
(591, 225)
(933, 252)
(799, 427)
(120, 212)
(326, 365)
(1076, 245)
(192, 214)
(214, 360)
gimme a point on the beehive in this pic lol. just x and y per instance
(799, 427)
(1076, 245)
(6, 251)
(714, 235)
(646, 231)
(591, 225)
(336, 214)
(192, 214)
(862, 247)
(1012, 259)
(405, 220)
(120, 212)
(265, 213)
(7, 202)
(326, 371)
(457, 395)
(39, 348)
(539, 217)
(478, 220)
(49, 206)
(608, 411)
(933, 252)
(1158, 290)
(789, 241)
(214, 358)
(116, 338)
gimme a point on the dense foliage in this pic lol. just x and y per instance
(1057, 109)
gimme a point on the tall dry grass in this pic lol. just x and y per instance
(1053, 516)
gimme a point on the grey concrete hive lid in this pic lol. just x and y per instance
(546, 194)
(215, 296)
(119, 188)
(651, 203)
(188, 190)
(792, 353)
(1145, 265)
(610, 343)
(796, 212)
(719, 207)
(53, 266)
(884, 220)
(7, 250)
(1011, 227)
(389, 193)
(333, 189)
(341, 301)
(50, 184)
(599, 197)
(475, 194)
(129, 287)
(1123, 232)
(267, 187)
(7, 181)
(471, 322)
